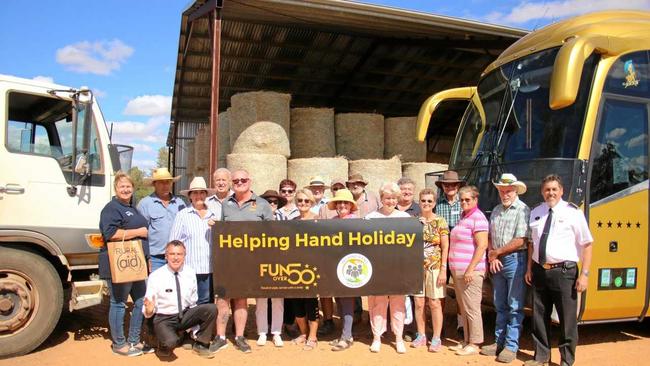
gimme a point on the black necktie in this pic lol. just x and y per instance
(544, 238)
(178, 296)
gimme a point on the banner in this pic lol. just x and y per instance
(309, 258)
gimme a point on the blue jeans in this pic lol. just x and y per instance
(119, 293)
(346, 312)
(157, 263)
(509, 299)
(204, 288)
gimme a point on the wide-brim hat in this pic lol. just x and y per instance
(274, 194)
(342, 195)
(357, 178)
(339, 181)
(198, 184)
(160, 174)
(449, 176)
(317, 182)
(509, 180)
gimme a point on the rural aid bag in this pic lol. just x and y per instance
(127, 261)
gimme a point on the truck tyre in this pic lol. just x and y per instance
(31, 301)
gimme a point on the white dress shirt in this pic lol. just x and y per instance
(161, 284)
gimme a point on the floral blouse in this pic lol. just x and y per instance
(432, 233)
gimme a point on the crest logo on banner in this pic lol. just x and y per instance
(354, 270)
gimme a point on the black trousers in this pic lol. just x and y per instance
(555, 287)
(169, 328)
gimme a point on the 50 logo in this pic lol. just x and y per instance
(291, 273)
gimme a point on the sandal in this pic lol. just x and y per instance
(300, 340)
(342, 345)
(310, 345)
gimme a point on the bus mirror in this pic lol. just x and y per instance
(431, 104)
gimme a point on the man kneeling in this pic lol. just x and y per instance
(171, 299)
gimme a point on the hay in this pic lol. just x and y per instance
(202, 148)
(301, 170)
(360, 135)
(399, 133)
(189, 158)
(266, 170)
(251, 107)
(263, 138)
(312, 133)
(417, 171)
(223, 140)
(377, 172)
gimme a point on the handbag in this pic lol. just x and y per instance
(127, 261)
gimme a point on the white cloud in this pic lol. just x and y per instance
(99, 93)
(616, 133)
(45, 79)
(144, 164)
(141, 147)
(637, 141)
(99, 57)
(149, 105)
(552, 10)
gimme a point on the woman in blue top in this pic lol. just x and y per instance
(121, 220)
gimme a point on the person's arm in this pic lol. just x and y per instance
(444, 254)
(129, 234)
(528, 277)
(481, 243)
(583, 280)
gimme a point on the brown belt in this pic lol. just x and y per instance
(567, 265)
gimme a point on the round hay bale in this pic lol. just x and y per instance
(223, 140)
(266, 170)
(263, 138)
(399, 133)
(251, 107)
(312, 133)
(301, 170)
(377, 171)
(189, 158)
(417, 171)
(360, 135)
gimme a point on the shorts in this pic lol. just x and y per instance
(431, 289)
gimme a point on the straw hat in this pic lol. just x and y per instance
(317, 182)
(274, 194)
(339, 181)
(509, 180)
(198, 184)
(357, 178)
(160, 174)
(449, 176)
(342, 195)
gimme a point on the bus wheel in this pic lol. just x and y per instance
(31, 300)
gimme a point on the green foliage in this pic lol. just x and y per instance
(138, 181)
(163, 157)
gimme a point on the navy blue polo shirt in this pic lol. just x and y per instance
(118, 215)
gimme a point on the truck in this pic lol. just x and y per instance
(58, 164)
(572, 99)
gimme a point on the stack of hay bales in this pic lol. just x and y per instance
(262, 149)
(249, 108)
(202, 153)
(377, 171)
(312, 133)
(400, 140)
(417, 171)
(359, 135)
(301, 170)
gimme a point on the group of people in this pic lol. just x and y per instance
(516, 247)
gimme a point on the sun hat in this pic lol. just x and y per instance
(337, 181)
(274, 194)
(356, 178)
(317, 182)
(509, 180)
(449, 176)
(342, 195)
(160, 174)
(198, 184)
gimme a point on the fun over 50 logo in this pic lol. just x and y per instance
(354, 270)
(295, 274)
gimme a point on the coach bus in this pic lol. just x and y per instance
(572, 98)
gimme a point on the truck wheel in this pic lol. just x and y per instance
(31, 300)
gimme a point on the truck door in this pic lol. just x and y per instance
(618, 194)
(38, 192)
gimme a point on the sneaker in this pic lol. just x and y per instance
(400, 347)
(203, 351)
(261, 340)
(419, 341)
(468, 350)
(218, 344)
(144, 347)
(326, 328)
(490, 350)
(129, 352)
(506, 356)
(242, 344)
(277, 340)
(375, 346)
(458, 346)
(435, 346)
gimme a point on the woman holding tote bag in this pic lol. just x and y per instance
(120, 221)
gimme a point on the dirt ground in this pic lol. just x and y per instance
(82, 338)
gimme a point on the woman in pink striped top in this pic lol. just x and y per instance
(468, 242)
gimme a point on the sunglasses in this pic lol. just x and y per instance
(426, 201)
(240, 180)
(287, 191)
(272, 202)
(303, 200)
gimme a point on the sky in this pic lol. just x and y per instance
(125, 50)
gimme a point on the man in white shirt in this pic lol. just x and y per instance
(171, 300)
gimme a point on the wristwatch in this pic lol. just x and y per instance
(585, 272)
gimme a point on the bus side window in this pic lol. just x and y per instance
(620, 155)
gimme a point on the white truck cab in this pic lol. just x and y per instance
(56, 169)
